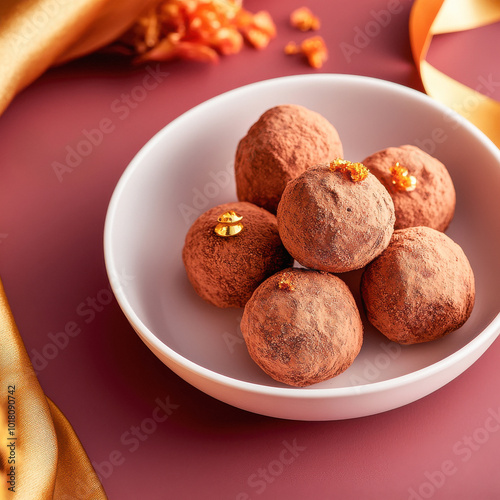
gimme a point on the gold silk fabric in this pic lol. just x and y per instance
(41, 457)
(37, 34)
(433, 17)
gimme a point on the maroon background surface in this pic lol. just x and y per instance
(111, 387)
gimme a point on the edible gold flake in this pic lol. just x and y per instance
(357, 171)
(401, 178)
(229, 224)
(285, 283)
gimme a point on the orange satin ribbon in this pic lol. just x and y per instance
(432, 17)
(40, 455)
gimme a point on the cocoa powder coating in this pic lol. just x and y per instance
(331, 223)
(226, 271)
(285, 141)
(302, 327)
(420, 288)
(432, 202)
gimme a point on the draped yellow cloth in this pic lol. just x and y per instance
(433, 17)
(36, 34)
(40, 455)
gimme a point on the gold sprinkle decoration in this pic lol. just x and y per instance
(229, 224)
(356, 171)
(401, 178)
(285, 283)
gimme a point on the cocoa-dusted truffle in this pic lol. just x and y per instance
(284, 141)
(419, 184)
(226, 270)
(302, 326)
(421, 287)
(332, 222)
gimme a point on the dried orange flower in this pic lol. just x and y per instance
(304, 20)
(285, 283)
(258, 29)
(313, 48)
(401, 178)
(199, 30)
(292, 48)
(357, 171)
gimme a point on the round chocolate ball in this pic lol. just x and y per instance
(421, 287)
(331, 223)
(430, 201)
(225, 270)
(302, 327)
(284, 142)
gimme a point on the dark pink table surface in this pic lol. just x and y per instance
(114, 391)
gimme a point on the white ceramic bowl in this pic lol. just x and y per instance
(188, 167)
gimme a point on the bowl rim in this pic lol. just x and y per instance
(477, 345)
